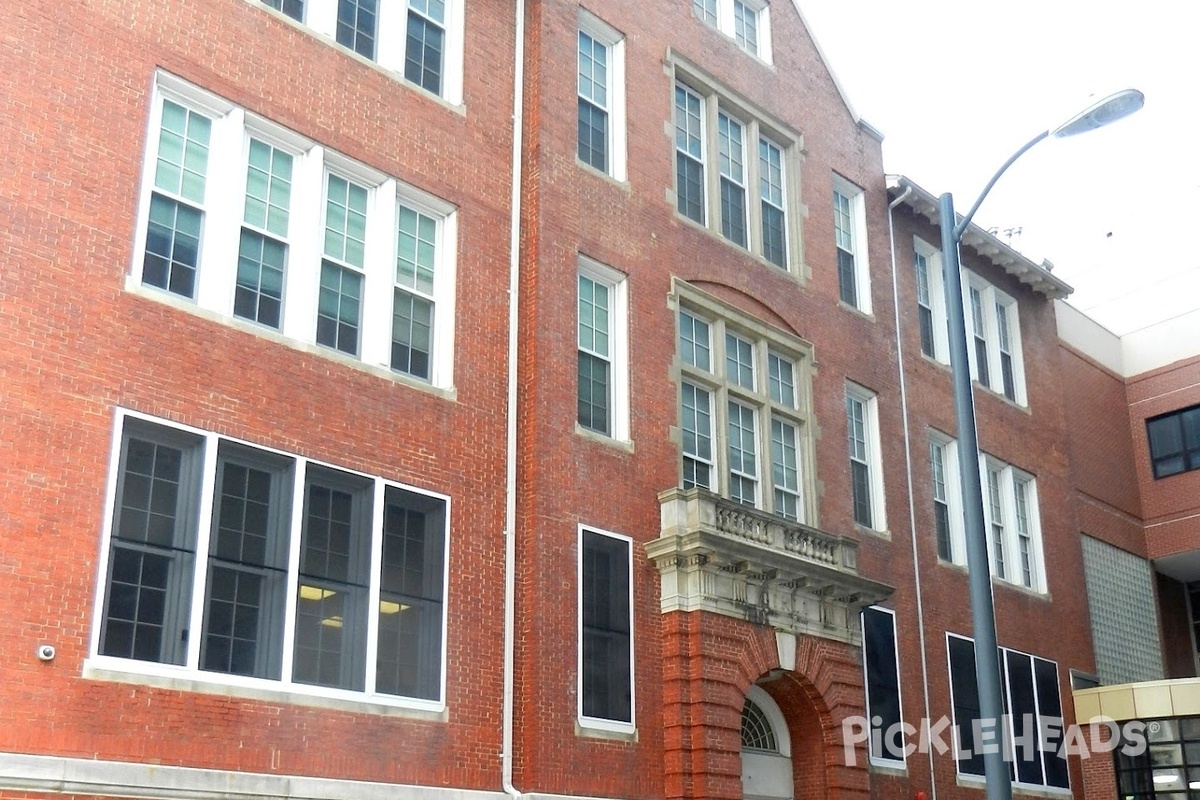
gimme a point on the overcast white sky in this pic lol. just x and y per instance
(957, 86)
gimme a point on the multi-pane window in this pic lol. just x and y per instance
(849, 231)
(605, 629)
(418, 39)
(263, 248)
(946, 514)
(1174, 442)
(882, 678)
(293, 8)
(731, 141)
(602, 396)
(425, 44)
(719, 195)
(356, 25)
(339, 304)
(1013, 530)
(177, 201)
(866, 468)
(743, 410)
(253, 222)
(201, 529)
(747, 22)
(601, 90)
(689, 154)
(1031, 736)
(771, 192)
(995, 354)
(931, 302)
(593, 102)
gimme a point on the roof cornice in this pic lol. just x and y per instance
(1037, 276)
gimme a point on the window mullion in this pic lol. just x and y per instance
(295, 529)
(380, 276)
(224, 198)
(322, 17)
(377, 511)
(204, 512)
(754, 198)
(391, 29)
(302, 279)
(710, 146)
(992, 337)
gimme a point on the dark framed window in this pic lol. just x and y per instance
(1174, 442)
(240, 578)
(293, 8)
(606, 663)
(882, 681)
(1031, 697)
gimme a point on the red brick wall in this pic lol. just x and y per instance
(74, 92)
(1169, 505)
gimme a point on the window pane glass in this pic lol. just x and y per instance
(172, 246)
(356, 26)
(410, 600)
(883, 680)
(607, 679)
(425, 50)
(331, 608)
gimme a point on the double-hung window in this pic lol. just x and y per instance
(420, 40)
(850, 238)
(743, 409)
(1030, 733)
(866, 465)
(601, 90)
(252, 222)
(230, 563)
(947, 504)
(603, 362)
(1013, 527)
(995, 353)
(747, 22)
(881, 668)
(605, 630)
(1174, 442)
(931, 302)
(732, 173)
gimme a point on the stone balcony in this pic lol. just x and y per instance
(720, 556)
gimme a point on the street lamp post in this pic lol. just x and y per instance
(983, 617)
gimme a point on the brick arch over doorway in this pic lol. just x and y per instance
(710, 661)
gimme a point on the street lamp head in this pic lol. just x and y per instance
(1101, 113)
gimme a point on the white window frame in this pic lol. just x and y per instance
(1008, 478)
(858, 220)
(391, 38)
(725, 22)
(216, 273)
(874, 455)
(936, 288)
(614, 41)
(952, 480)
(1007, 736)
(756, 127)
(990, 297)
(878, 759)
(189, 675)
(766, 343)
(599, 723)
(618, 332)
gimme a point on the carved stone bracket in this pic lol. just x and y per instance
(720, 556)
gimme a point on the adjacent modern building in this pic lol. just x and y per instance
(453, 400)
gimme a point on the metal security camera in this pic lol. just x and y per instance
(45, 652)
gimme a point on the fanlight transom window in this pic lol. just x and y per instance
(757, 731)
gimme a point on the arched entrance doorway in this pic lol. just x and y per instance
(766, 749)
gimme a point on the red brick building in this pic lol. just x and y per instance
(448, 399)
